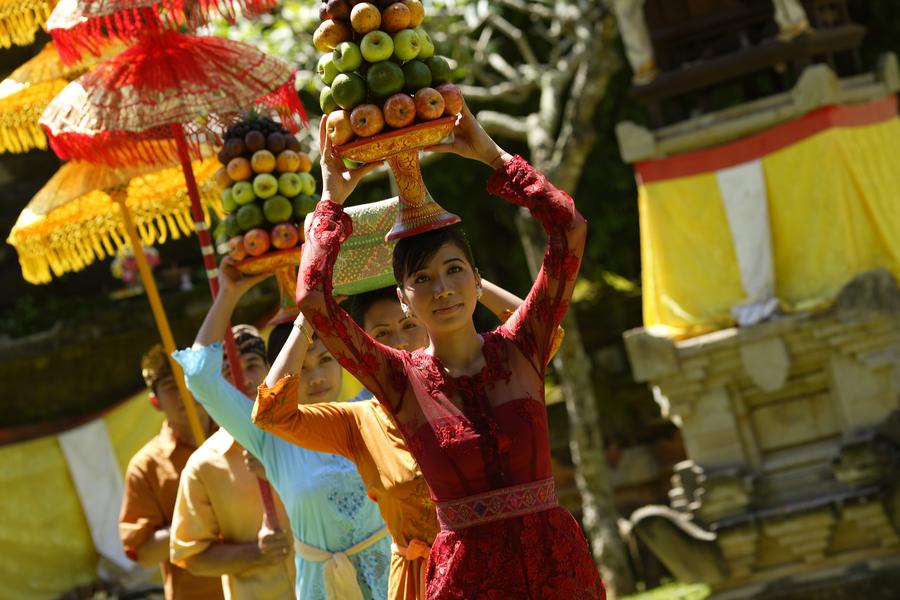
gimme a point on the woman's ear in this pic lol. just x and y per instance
(477, 276)
(154, 401)
(404, 305)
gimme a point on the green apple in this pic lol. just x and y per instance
(243, 193)
(385, 79)
(327, 69)
(249, 216)
(347, 57)
(229, 205)
(304, 205)
(265, 185)
(406, 44)
(426, 45)
(348, 90)
(377, 46)
(440, 69)
(231, 226)
(417, 75)
(277, 209)
(309, 184)
(326, 101)
(290, 184)
(351, 164)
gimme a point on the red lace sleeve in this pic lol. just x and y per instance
(378, 367)
(533, 325)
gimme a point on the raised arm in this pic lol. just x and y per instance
(202, 363)
(533, 325)
(329, 427)
(376, 366)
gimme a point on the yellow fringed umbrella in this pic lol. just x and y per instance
(77, 217)
(28, 90)
(20, 19)
(87, 212)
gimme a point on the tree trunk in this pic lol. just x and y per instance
(560, 138)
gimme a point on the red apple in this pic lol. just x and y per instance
(338, 127)
(366, 120)
(256, 241)
(285, 235)
(429, 104)
(236, 248)
(453, 98)
(399, 110)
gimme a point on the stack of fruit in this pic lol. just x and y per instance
(266, 186)
(379, 68)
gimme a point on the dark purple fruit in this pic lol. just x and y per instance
(275, 143)
(254, 140)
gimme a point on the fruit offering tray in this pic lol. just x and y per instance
(379, 69)
(266, 190)
(390, 143)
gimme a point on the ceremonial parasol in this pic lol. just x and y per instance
(20, 19)
(28, 90)
(79, 26)
(169, 95)
(86, 212)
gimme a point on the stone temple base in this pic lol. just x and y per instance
(792, 428)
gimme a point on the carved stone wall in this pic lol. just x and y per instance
(792, 433)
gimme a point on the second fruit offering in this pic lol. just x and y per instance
(379, 69)
(266, 188)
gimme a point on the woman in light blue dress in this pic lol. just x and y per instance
(330, 513)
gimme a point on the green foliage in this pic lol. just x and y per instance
(674, 591)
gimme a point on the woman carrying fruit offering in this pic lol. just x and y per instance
(470, 406)
(342, 550)
(364, 432)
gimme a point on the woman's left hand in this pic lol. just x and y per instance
(338, 182)
(233, 282)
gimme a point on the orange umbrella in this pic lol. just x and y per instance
(20, 19)
(86, 212)
(75, 219)
(26, 93)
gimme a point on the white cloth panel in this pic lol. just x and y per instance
(743, 190)
(98, 481)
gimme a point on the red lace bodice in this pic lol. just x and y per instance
(469, 434)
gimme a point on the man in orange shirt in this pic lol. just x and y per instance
(151, 485)
(217, 528)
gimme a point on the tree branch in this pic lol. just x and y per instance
(504, 125)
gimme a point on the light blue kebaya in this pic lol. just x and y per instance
(323, 493)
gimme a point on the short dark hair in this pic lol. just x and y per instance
(412, 252)
(155, 366)
(277, 338)
(361, 303)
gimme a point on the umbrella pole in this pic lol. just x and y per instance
(212, 275)
(206, 247)
(159, 316)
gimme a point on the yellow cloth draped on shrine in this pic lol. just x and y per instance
(45, 538)
(833, 213)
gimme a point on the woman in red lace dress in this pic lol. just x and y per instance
(470, 405)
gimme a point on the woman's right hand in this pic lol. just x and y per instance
(470, 140)
(338, 182)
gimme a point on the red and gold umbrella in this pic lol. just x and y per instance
(79, 26)
(171, 93)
